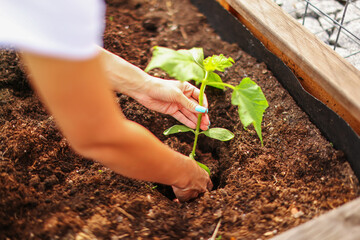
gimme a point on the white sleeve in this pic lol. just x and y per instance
(63, 28)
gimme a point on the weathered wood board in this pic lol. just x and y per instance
(325, 75)
(342, 223)
(321, 71)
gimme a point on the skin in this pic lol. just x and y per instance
(170, 97)
(79, 95)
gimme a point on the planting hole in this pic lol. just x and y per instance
(216, 182)
(166, 191)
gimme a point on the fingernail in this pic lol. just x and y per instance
(201, 109)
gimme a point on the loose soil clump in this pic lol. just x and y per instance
(49, 192)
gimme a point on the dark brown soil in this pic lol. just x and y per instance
(49, 192)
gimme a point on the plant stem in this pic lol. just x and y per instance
(201, 102)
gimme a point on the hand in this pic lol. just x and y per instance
(178, 99)
(166, 96)
(200, 183)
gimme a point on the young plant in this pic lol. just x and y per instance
(186, 65)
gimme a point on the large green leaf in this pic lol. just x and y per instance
(217, 62)
(252, 104)
(184, 65)
(221, 134)
(177, 129)
(213, 79)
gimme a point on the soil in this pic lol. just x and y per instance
(49, 192)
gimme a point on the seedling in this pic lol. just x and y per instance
(186, 65)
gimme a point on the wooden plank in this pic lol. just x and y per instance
(320, 70)
(342, 223)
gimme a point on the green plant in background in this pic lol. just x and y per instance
(186, 65)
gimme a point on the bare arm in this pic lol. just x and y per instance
(178, 99)
(124, 76)
(78, 94)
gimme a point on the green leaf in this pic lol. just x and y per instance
(217, 62)
(177, 129)
(184, 65)
(196, 53)
(221, 134)
(214, 78)
(251, 104)
(203, 166)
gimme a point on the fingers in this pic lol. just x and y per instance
(188, 112)
(190, 119)
(200, 184)
(184, 120)
(205, 122)
(193, 92)
(184, 196)
(209, 186)
(188, 194)
(192, 106)
(191, 116)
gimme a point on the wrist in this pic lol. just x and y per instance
(124, 76)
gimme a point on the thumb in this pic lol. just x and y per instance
(191, 105)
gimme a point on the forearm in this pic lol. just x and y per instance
(125, 77)
(131, 150)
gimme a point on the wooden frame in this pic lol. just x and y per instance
(341, 223)
(320, 70)
(326, 76)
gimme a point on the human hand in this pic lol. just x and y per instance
(178, 99)
(199, 183)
